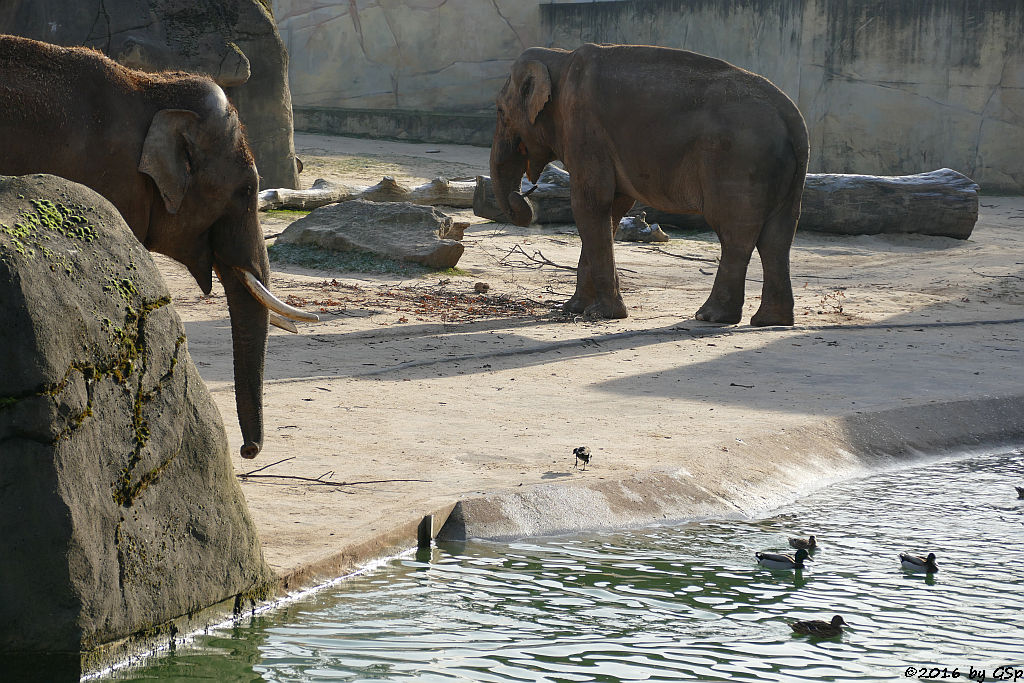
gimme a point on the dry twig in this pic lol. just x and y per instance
(537, 260)
(316, 480)
(659, 250)
(1016, 277)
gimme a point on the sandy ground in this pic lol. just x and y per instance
(419, 392)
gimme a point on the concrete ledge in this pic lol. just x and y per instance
(392, 124)
(782, 467)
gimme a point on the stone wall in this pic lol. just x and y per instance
(886, 86)
(390, 64)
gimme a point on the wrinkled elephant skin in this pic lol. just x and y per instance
(676, 130)
(168, 151)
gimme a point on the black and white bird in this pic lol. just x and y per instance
(915, 563)
(581, 453)
(780, 561)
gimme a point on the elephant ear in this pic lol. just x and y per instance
(167, 154)
(535, 88)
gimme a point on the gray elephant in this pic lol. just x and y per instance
(168, 151)
(676, 130)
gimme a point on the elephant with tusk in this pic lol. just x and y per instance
(678, 131)
(168, 151)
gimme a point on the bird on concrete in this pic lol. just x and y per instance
(581, 453)
(779, 561)
(822, 629)
(915, 563)
(805, 543)
(1020, 491)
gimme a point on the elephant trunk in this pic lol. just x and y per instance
(239, 249)
(249, 320)
(507, 167)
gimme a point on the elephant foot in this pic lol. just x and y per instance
(577, 304)
(718, 314)
(610, 308)
(768, 315)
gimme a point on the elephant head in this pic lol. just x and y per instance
(524, 138)
(204, 215)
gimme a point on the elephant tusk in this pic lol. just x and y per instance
(531, 190)
(271, 302)
(282, 322)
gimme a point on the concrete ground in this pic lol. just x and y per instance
(415, 393)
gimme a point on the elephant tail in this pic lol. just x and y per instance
(798, 139)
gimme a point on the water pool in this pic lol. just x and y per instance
(685, 602)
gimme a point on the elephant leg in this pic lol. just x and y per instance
(593, 210)
(620, 206)
(586, 293)
(725, 304)
(777, 291)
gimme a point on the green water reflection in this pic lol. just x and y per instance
(672, 603)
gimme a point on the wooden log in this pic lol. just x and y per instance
(942, 202)
(321, 194)
(438, 192)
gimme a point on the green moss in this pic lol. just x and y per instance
(261, 591)
(135, 352)
(123, 286)
(32, 229)
(287, 213)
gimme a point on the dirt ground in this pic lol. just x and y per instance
(419, 392)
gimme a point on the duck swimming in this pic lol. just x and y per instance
(806, 543)
(819, 628)
(914, 563)
(778, 561)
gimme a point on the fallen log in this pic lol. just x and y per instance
(942, 203)
(438, 192)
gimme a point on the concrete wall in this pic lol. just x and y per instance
(886, 86)
(390, 65)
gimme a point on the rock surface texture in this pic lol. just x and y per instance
(637, 229)
(234, 41)
(398, 230)
(120, 516)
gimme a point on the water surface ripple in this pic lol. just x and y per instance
(673, 603)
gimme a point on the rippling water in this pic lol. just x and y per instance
(673, 603)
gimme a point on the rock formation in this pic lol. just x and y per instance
(234, 41)
(120, 516)
(398, 230)
(636, 229)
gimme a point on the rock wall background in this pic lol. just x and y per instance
(886, 86)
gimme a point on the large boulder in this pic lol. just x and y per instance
(234, 41)
(120, 516)
(397, 230)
